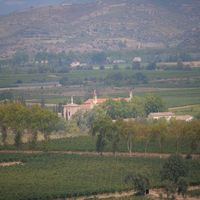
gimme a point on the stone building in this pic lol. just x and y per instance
(70, 109)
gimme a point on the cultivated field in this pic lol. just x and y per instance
(51, 176)
(88, 144)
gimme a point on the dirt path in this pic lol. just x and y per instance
(107, 154)
(8, 164)
(154, 194)
(103, 196)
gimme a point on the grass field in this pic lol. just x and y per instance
(180, 97)
(50, 176)
(172, 97)
(183, 87)
(87, 143)
(9, 79)
(190, 109)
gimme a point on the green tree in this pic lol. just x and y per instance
(34, 124)
(94, 114)
(174, 168)
(153, 103)
(101, 128)
(136, 65)
(129, 131)
(114, 135)
(151, 66)
(6, 96)
(48, 121)
(3, 123)
(192, 133)
(99, 58)
(159, 131)
(176, 131)
(170, 189)
(81, 120)
(182, 186)
(17, 120)
(20, 58)
(140, 183)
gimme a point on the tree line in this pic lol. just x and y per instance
(17, 118)
(109, 132)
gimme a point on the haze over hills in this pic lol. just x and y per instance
(102, 25)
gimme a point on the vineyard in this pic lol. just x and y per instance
(87, 143)
(51, 176)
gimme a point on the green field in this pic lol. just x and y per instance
(87, 143)
(172, 97)
(50, 176)
(190, 109)
(177, 88)
(172, 78)
(180, 97)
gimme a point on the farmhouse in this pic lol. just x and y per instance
(72, 108)
(75, 64)
(159, 115)
(137, 60)
(170, 115)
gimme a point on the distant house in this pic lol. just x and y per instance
(75, 64)
(186, 118)
(170, 115)
(159, 115)
(137, 60)
(119, 61)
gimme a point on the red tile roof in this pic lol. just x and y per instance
(100, 101)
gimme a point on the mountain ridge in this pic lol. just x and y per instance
(99, 26)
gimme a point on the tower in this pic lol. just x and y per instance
(130, 95)
(95, 97)
(72, 100)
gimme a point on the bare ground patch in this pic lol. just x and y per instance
(8, 164)
(154, 194)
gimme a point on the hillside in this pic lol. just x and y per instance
(101, 25)
(10, 6)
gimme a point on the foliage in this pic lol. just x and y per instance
(86, 119)
(192, 132)
(159, 131)
(101, 128)
(182, 186)
(18, 118)
(151, 66)
(153, 103)
(124, 109)
(174, 168)
(170, 189)
(20, 58)
(98, 58)
(173, 173)
(140, 183)
(6, 96)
